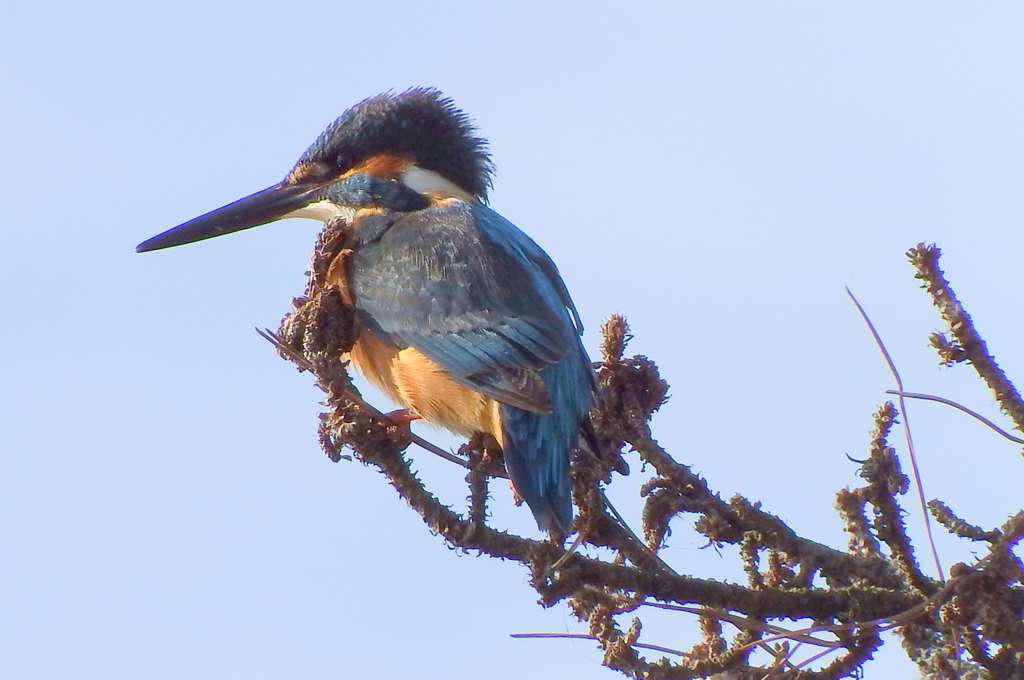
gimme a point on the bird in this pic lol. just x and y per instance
(461, 318)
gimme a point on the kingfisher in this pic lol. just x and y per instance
(461, 318)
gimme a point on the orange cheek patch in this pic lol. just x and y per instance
(383, 165)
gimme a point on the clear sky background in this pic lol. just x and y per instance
(718, 172)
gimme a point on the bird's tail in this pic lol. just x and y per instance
(538, 447)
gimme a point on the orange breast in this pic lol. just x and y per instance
(423, 387)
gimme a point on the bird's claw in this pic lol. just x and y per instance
(400, 420)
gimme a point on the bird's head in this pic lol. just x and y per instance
(416, 142)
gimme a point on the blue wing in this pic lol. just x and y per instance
(474, 294)
(468, 290)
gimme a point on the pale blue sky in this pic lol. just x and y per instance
(718, 172)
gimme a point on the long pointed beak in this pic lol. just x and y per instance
(263, 207)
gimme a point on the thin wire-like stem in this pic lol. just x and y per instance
(782, 658)
(817, 656)
(926, 517)
(948, 402)
(625, 525)
(584, 636)
(748, 624)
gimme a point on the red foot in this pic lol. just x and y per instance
(516, 498)
(401, 418)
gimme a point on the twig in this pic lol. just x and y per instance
(926, 259)
(906, 428)
(583, 636)
(947, 518)
(352, 395)
(885, 586)
(782, 658)
(807, 662)
(746, 623)
(948, 402)
(641, 544)
(803, 634)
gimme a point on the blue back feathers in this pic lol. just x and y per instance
(474, 294)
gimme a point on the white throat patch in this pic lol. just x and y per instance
(325, 211)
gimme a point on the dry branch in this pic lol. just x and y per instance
(970, 625)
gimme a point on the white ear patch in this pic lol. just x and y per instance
(433, 185)
(325, 211)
